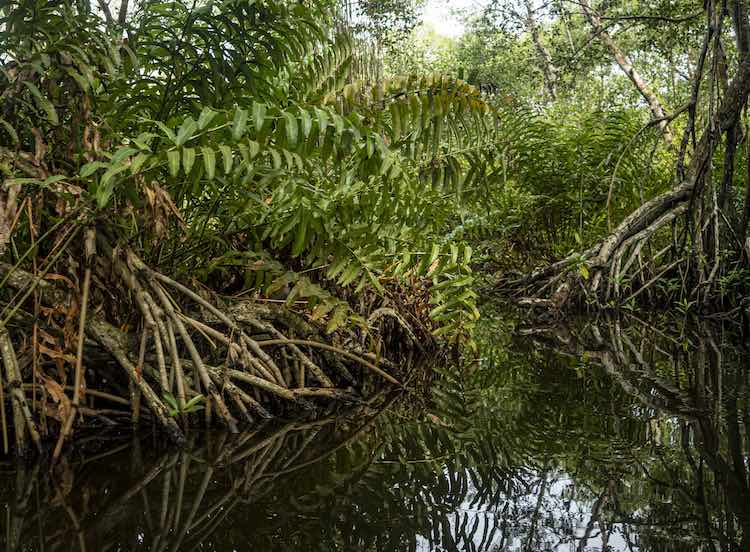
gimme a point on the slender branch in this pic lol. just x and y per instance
(123, 13)
(627, 67)
(104, 6)
(90, 248)
(662, 18)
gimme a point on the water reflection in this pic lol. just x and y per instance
(607, 434)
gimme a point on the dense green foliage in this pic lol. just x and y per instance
(228, 141)
(619, 97)
(174, 164)
(568, 152)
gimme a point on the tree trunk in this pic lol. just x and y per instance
(600, 258)
(548, 68)
(627, 67)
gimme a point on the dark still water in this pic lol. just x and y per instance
(605, 434)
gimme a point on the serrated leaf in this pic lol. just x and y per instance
(205, 118)
(395, 121)
(362, 283)
(338, 122)
(276, 159)
(338, 318)
(336, 266)
(386, 165)
(186, 130)
(299, 239)
(227, 158)
(259, 116)
(142, 140)
(433, 254)
(290, 129)
(167, 131)
(437, 311)
(322, 120)
(306, 122)
(188, 159)
(350, 274)
(289, 159)
(454, 253)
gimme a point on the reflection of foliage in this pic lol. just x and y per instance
(604, 432)
(691, 396)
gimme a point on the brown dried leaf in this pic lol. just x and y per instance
(166, 200)
(57, 354)
(58, 395)
(61, 278)
(47, 338)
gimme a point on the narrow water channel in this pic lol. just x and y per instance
(597, 434)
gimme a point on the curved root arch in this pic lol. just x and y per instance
(190, 352)
(596, 274)
(614, 270)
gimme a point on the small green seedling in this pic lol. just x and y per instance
(193, 405)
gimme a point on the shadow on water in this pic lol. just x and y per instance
(606, 434)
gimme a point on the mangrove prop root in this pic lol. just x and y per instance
(90, 249)
(166, 354)
(110, 338)
(585, 274)
(22, 418)
(581, 275)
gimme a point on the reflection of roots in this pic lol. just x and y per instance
(247, 376)
(634, 354)
(195, 490)
(691, 383)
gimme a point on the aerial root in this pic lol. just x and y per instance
(112, 340)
